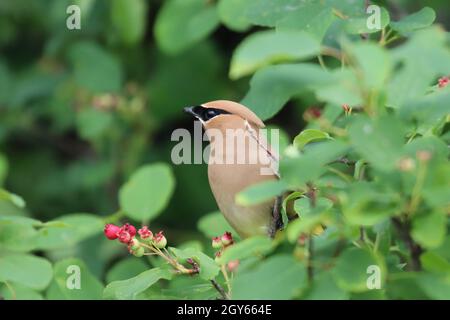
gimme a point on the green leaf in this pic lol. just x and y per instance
(94, 68)
(182, 23)
(130, 288)
(28, 270)
(309, 135)
(268, 12)
(403, 286)
(325, 288)
(273, 86)
(344, 88)
(13, 198)
(125, 269)
(66, 273)
(405, 84)
(300, 169)
(279, 277)
(208, 268)
(260, 192)
(429, 109)
(214, 224)
(364, 203)
(254, 246)
(18, 233)
(351, 271)
(429, 229)
(379, 141)
(129, 19)
(373, 64)
(435, 263)
(16, 291)
(418, 20)
(310, 217)
(232, 14)
(75, 228)
(435, 286)
(269, 47)
(313, 18)
(364, 23)
(93, 123)
(4, 165)
(147, 192)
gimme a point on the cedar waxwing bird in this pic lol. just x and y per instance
(240, 157)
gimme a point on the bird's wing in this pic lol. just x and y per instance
(261, 139)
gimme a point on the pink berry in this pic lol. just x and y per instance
(130, 229)
(227, 238)
(160, 240)
(443, 82)
(145, 233)
(124, 236)
(216, 242)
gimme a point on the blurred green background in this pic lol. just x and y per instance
(80, 110)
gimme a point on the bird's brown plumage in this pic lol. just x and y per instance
(228, 179)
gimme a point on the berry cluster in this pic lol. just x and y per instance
(222, 243)
(443, 82)
(127, 235)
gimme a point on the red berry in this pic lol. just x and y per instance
(227, 238)
(312, 113)
(124, 236)
(111, 231)
(145, 233)
(443, 82)
(130, 229)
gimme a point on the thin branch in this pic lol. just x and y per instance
(415, 250)
(219, 289)
(312, 194)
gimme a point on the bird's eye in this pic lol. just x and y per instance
(209, 114)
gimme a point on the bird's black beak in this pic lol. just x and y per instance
(190, 110)
(193, 111)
